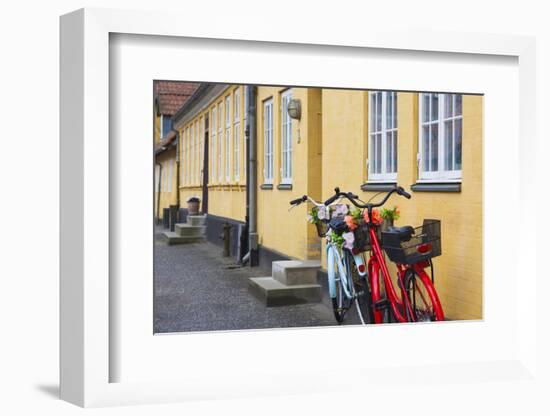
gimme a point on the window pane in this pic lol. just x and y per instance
(389, 108)
(286, 127)
(426, 107)
(448, 148)
(378, 111)
(227, 110)
(458, 105)
(434, 147)
(394, 153)
(379, 153)
(268, 141)
(389, 151)
(448, 105)
(237, 105)
(394, 124)
(435, 107)
(426, 147)
(372, 111)
(458, 144)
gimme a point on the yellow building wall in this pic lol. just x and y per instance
(156, 128)
(280, 230)
(168, 178)
(345, 151)
(226, 190)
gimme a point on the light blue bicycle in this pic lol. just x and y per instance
(346, 268)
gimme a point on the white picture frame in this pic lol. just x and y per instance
(87, 332)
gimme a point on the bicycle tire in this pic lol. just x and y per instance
(425, 302)
(378, 294)
(363, 295)
(340, 303)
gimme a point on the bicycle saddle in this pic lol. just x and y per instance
(405, 233)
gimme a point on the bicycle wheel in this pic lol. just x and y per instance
(381, 309)
(363, 299)
(337, 279)
(425, 302)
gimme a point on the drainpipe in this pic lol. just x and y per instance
(251, 185)
(158, 191)
(177, 172)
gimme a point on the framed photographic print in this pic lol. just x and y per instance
(254, 215)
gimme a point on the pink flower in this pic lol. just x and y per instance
(340, 210)
(350, 222)
(323, 213)
(349, 239)
(376, 217)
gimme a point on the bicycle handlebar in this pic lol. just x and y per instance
(353, 198)
(338, 194)
(402, 192)
(298, 201)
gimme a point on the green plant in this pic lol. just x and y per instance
(336, 239)
(312, 217)
(316, 214)
(390, 214)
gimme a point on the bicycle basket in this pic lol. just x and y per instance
(362, 238)
(322, 228)
(424, 243)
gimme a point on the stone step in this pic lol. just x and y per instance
(185, 230)
(172, 237)
(295, 272)
(274, 293)
(196, 219)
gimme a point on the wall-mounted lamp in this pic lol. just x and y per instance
(295, 108)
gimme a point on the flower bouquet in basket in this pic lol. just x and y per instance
(344, 227)
(357, 223)
(389, 216)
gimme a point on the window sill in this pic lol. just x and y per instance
(378, 186)
(437, 187)
(284, 187)
(267, 186)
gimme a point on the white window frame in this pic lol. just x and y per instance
(286, 139)
(186, 155)
(236, 134)
(213, 158)
(201, 149)
(441, 174)
(188, 170)
(163, 178)
(170, 174)
(220, 141)
(197, 152)
(268, 140)
(228, 138)
(182, 156)
(245, 104)
(192, 159)
(385, 175)
(157, 178)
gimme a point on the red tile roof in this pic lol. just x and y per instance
(171, 95)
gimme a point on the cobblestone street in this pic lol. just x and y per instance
(196, 289)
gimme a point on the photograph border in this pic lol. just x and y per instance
(84, 234)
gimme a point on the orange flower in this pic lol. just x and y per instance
(376, 217)
(350, 222)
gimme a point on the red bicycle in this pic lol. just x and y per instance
(412, 250)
